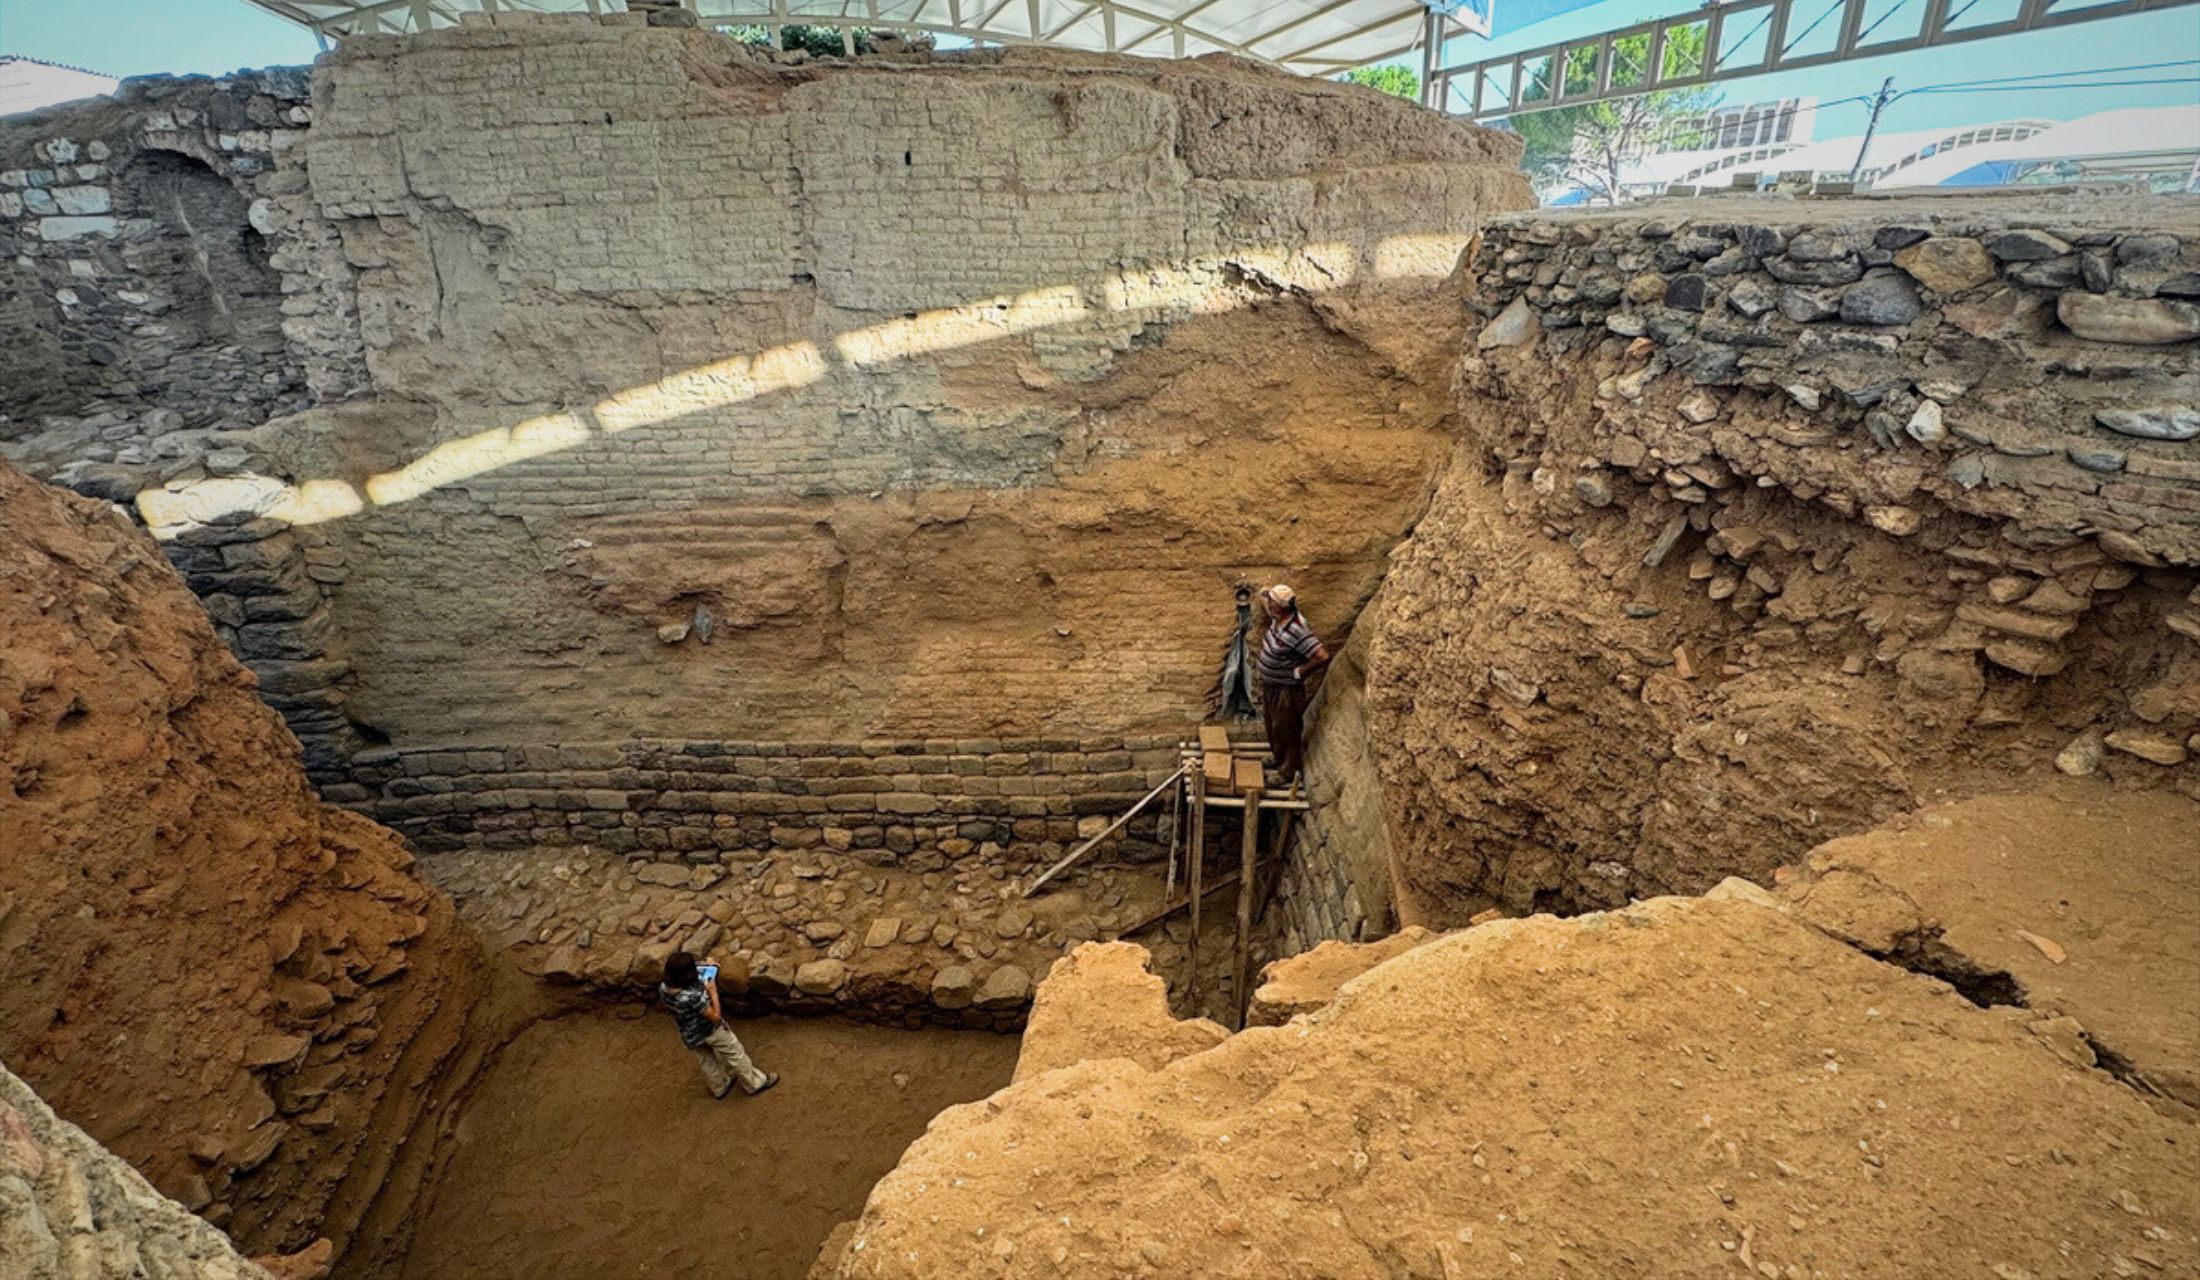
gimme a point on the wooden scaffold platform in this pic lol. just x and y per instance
(1212, 773)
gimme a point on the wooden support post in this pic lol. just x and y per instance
(1152, 918)
(1249, 860)
(1176, 831)
(1273, 876)
(1196, 854)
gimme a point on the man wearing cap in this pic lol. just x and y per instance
(1289, 653)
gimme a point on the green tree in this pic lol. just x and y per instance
(1397, 81)
(819, 42)
(1588, 145)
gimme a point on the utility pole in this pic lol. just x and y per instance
(1879, 104)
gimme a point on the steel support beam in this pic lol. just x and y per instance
(1126, 26)
(1508, 74)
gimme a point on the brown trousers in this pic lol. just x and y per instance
(1283, 710)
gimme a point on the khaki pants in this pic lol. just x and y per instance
(725, 1061)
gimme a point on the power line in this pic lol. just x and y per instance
(2040, 88)
(2061, 75)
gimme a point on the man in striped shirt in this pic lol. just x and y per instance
(1289, 653)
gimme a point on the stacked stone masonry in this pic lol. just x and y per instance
(1928, 326)
(2038, 372)
(1335, 879)
(170, 279)
(921, 805)
(1773, 523)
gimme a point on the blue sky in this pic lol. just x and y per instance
(137, 37)
(145, 37)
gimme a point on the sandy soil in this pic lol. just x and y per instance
(592, 1150)
(1684, 1088)
(2081, 896)
(251, 997)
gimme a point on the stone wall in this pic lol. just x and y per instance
(1776, 517)
(69, 1207)
(165, 279)
(918, 804)
(2032, 364)
(1336, 881)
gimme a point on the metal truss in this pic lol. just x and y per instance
(1743, 38)
(1316, 37)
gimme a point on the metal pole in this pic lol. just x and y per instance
(1432, 58)
(1879, 104)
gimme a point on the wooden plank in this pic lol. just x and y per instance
(1248, 876)
(1176, 831)
(1156, 917)
(1197, 855)
(1267, 804)
(1089, 845)
(1213, 737)
(1248, 777)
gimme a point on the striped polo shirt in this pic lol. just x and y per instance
(1289, 645)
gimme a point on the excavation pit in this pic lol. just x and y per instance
(592, 1148)
(776, 509)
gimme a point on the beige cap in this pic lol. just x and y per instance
(1281, 594)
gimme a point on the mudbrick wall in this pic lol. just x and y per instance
(631, 385)
(634, 446)
(1771, 518)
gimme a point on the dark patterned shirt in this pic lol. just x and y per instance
(1289, 645)
(691, 1012)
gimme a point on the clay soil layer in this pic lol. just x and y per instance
(593, 1152)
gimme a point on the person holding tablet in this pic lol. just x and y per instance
(690, 991)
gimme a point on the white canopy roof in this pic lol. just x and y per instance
(1312, 36)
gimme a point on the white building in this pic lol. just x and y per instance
(2123, 144)
(27, 84)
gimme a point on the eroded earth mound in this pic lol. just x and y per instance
(249, 996)
(2076, 902)
(1685, 1087)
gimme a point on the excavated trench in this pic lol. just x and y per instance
(591, 1148)
(787, 605)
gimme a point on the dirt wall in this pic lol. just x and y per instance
(249, 996)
